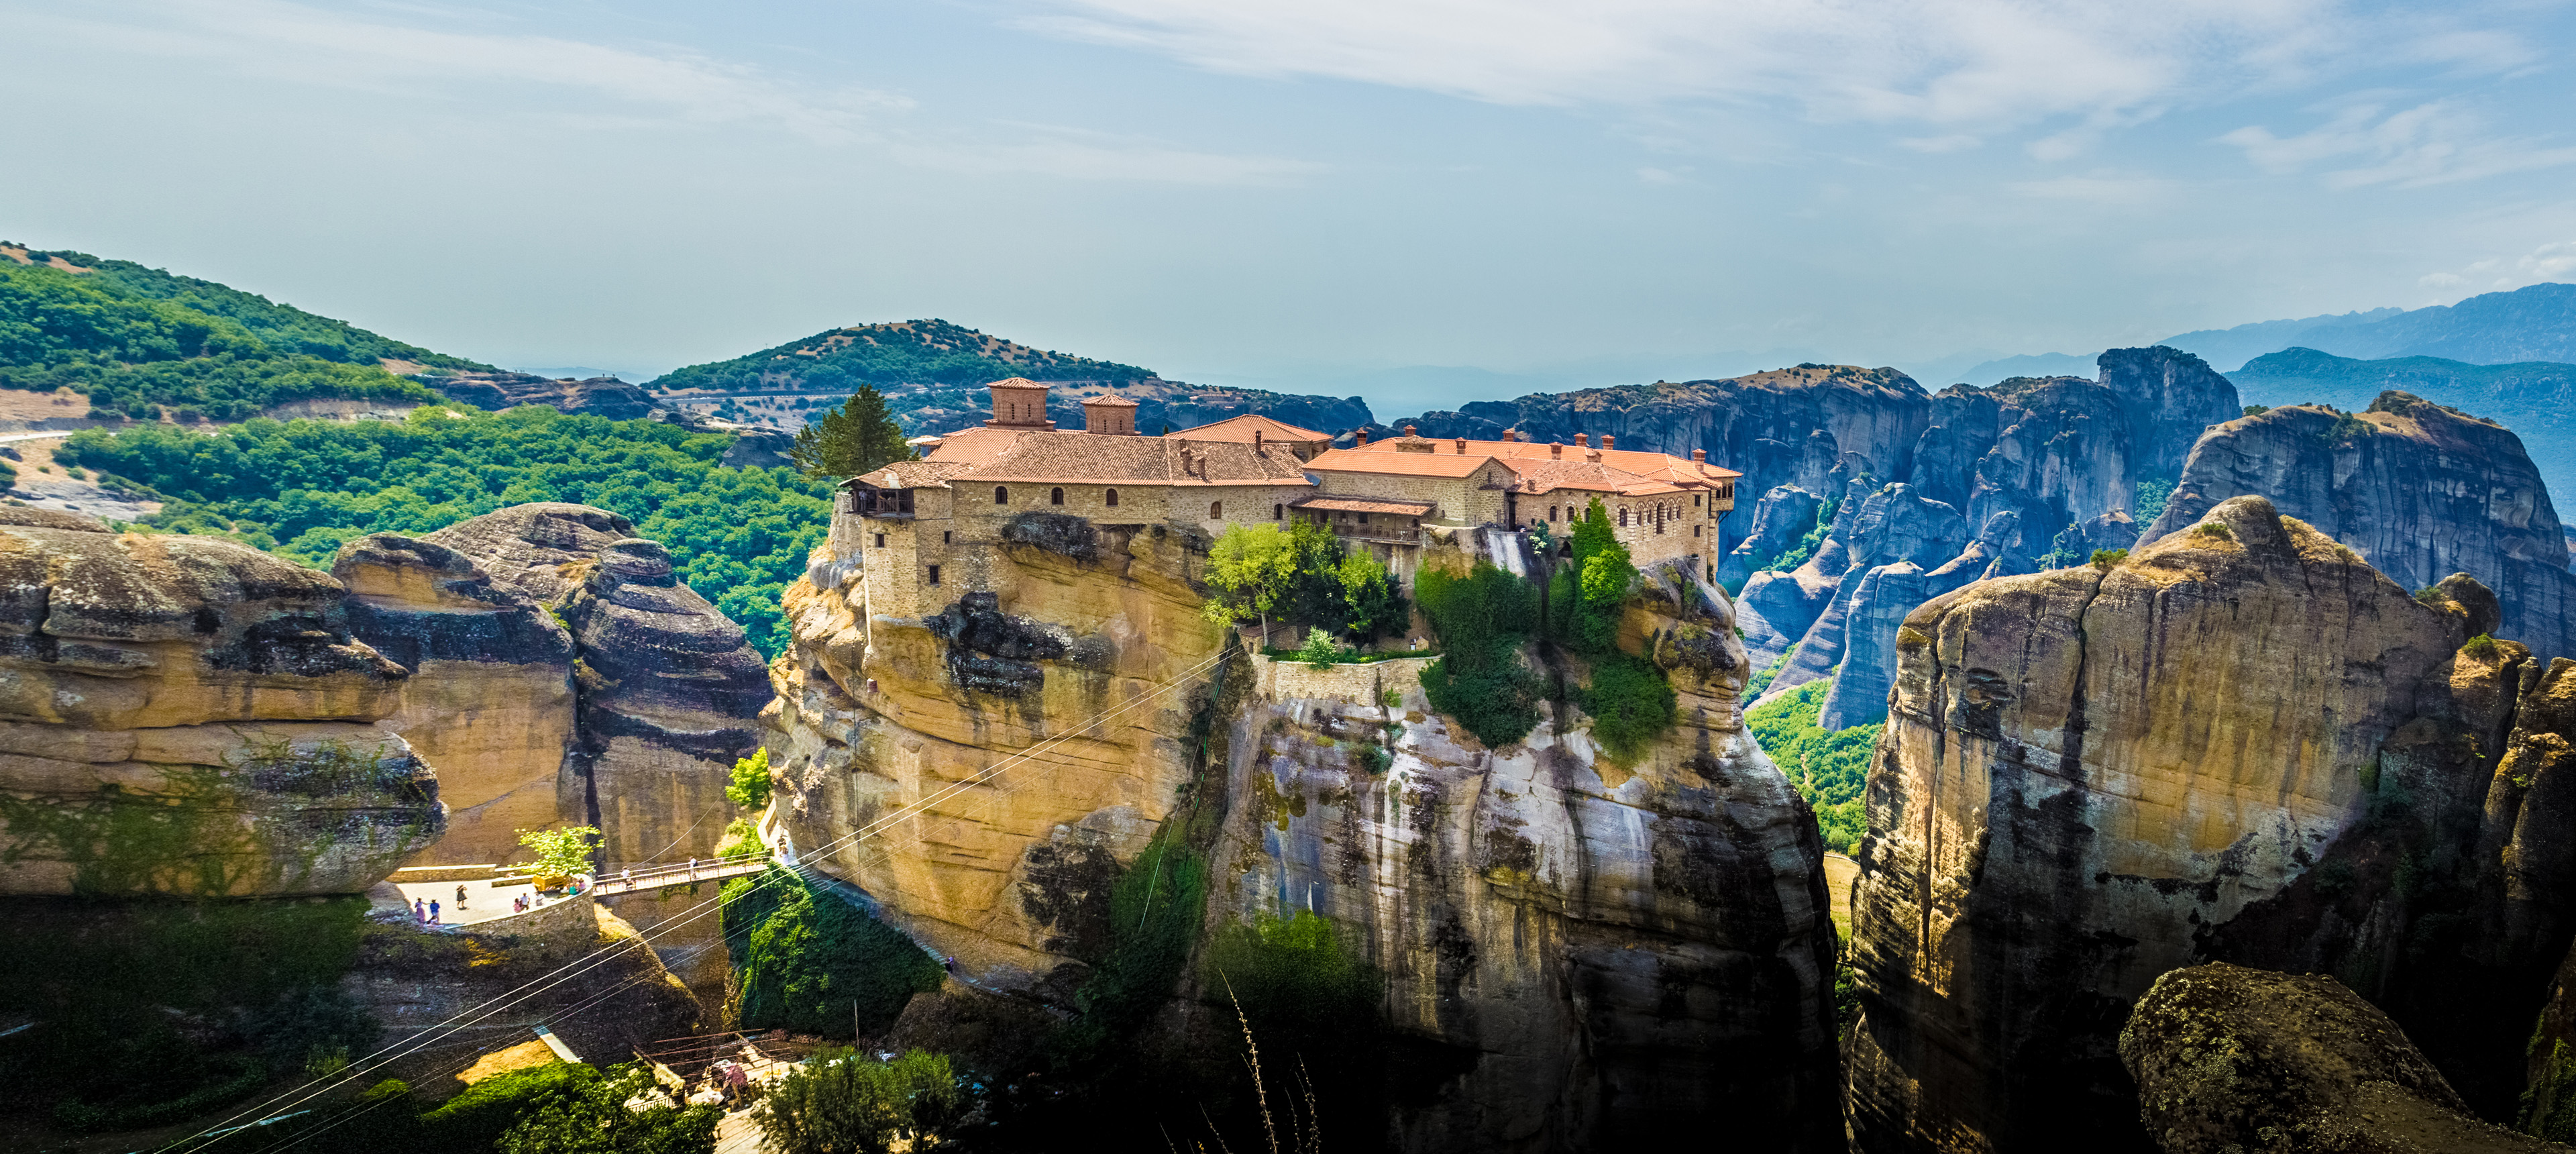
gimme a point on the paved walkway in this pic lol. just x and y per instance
(483, 900)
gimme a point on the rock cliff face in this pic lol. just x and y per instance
(2029, 474)
(662, 689)
(2233, 1059)
(1607, 950)
(596, 397)
(2420, 490)
(2242, 744)
(188, 716)
(490, 696)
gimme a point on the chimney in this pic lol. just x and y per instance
(1462, 446)
(1556, 450)
(1256, 443)
(1700, 456)
(1362, 434)
(1408, 431)
(1579, 441)
(1607, 440)
(1511, 435)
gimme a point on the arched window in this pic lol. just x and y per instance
(1216, 510)
(1623, 516)
(1113, 498)
(1551, 512)
(1001, 495)
(1055, 496)
(1279, 512)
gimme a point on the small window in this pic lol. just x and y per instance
(880, 540)
(1216, 510)
(1694, 500)
(944, 536)
(1364, 518)
(1001, 495)
(1694, 530)
(1551, 512)
(1113, 498)
(1055, 496)
(934, 574)
(1623, 516)
(1279, 512)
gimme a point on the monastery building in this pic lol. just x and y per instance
(925, 529)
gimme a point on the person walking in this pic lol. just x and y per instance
(630, 878)
(433, 911)
(460, 897)
(419, 911)
(693, 869)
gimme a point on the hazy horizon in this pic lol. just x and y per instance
(1425, 198)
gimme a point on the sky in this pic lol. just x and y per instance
(1421, 201)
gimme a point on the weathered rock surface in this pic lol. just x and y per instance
(665, 689)
(1608, 951)
(596, 397)
(2243, 744)
(180, 715)
(2231, 1059)
(2031, 473)
(2420, 490)
(490, 697)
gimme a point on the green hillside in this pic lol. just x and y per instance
(926, 352)
(2535, 399)
(134, 338)
(300, 488)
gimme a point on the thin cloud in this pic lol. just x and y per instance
(2108, 190)
(1074, 154)
(1963, 64)
(2433, 143)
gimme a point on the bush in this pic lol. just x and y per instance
(1631, 704)
(2483, 647)
(561, 852)
(1154, 914)
(749, 790)
(2153, 494)
(806, 960)
(842, 1102)
(2109, 559)
(2217, 529)
(1479, 680)
(1321, 651)
(1829, 768)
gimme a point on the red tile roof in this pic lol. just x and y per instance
(1240, 428)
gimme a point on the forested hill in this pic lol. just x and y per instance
(927, 352)
(134, 338)
(933, 375)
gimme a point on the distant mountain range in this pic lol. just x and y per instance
(2535, 399)
(2536, 323)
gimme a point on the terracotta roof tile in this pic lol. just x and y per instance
(1239, 428)
(1398, 464)
(1060, 456)
(1364, 505)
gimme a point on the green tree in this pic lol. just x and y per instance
(1248, 570)
(561, 852)
(585, 1112)
(1595, 584)
(749, 790)
(859, 437)
(846, 1102)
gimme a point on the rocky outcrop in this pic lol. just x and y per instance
(2420, 490)
(2032, 473)
(596, 397)
(1592, 950)
(2232, 1059)
(2242, 744)
(490, 699)
(663, 691)
(181, 715)
(1781, 517)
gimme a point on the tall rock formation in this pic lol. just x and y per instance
(490, 696)
(567, 673)
(2033, 473)
(187, 716)
(2241, 744)
(2419, 489)
(1600, 951)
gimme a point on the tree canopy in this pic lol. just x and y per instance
(901, 353)
(859, 437)
(301, 488)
